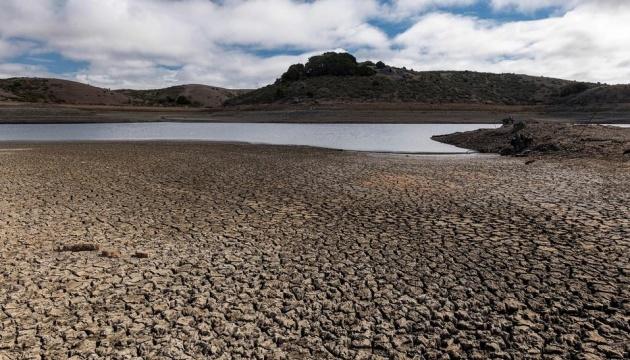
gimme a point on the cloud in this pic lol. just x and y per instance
(8, 70)
(407, 10)
(587, 43)
(249, 43)
(126, 42)
(529, 6)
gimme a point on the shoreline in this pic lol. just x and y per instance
(324, 114)
(211, 142)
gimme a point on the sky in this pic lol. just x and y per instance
(145, 44)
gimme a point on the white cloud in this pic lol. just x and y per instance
(126, 42)
(529, 6)
(8, 70)
(587, 43)
(153, 43)
(404, 10)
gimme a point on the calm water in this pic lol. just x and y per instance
(412, 138)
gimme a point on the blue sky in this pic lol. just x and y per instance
(248, 43)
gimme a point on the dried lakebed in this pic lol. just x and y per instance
(242, 251)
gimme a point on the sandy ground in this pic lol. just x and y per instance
(241, 251)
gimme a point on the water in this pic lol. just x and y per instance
(408, 138)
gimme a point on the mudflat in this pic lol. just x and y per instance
(239, 251)
(28, 113)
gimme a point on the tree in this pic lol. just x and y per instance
(380, 65)
(182, 100)
(331, 63)
(365, 70)
(294, 73)
(328, 64)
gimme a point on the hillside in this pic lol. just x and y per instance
(601, 95)
(56, 91)
(183, 95)
(338, 79)
(60, 92)
(384, 83)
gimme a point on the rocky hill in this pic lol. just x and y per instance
(320, 81)
(56, 91)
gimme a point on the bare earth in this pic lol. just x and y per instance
(19, 113)
(241, 251)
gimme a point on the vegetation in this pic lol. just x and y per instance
(574, 88)
(390, 84)
(328, 64)
(337, 77)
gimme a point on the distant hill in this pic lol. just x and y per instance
(321, 81)
(183, 95)
(60, 92)
(337, 78)
(56, 91)
(600, 95)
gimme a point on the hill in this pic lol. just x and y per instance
(370, 82)
(183, 95)
(601, 95)
(57, 91)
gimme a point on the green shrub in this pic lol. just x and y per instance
(365, 70)
(574, 88)
(182, 100)
(331, 63)
(296, 72)
(328, 64)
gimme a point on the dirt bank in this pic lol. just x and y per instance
(234, 251)
(547, 138)
(11, 112)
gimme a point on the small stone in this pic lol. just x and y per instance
(593, 336)
(494, 347)
(78, 247)
(140, 255)
(111, 254)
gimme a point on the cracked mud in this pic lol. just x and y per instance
(235, 251)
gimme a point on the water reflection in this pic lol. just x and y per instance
(411, 138)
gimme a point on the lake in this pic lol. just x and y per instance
(404, 138)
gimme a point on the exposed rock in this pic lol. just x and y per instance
(79, 247)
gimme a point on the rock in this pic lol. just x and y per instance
(140, 255)
(111, 254)
(593, 336)
(493, 347)
(512, 305)
(78, 247)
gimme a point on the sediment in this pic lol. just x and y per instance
(242, 251)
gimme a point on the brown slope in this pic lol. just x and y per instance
(59, 91)
(5, 95)
(183, 95)
(601, 95)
